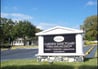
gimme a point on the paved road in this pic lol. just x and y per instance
(30, 53)
(92, 53)
(18, 54)
(86, 48)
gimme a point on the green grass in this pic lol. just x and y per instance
(96, 53)
(33, 64)
(17, 47)
(90, 43)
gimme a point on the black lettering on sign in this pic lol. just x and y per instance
(60, 43)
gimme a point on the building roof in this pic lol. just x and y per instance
(59, 30)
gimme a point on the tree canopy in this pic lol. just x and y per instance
(90, 27)
(10, 30)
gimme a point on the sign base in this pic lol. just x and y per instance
(60, 58)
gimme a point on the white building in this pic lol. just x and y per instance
(20, 42)
(60, 44)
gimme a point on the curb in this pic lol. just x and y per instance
(17, 48)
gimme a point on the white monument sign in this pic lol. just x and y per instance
(60, 44)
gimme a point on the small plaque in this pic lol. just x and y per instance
(58, 38)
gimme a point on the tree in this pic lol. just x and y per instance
(25, 30)
(6, 31)
(10, 30)
(2, 35)
(90, 27)
(1, 32)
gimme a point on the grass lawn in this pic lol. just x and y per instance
(17, 47)
(96, 54)
(33, 64)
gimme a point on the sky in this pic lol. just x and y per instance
(45, 14)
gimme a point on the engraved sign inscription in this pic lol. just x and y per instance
(60, 43)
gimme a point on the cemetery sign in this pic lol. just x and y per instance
(61, 42)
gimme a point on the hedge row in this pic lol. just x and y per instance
(5, 46)
(89, 42)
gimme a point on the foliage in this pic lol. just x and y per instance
(90, 42)
(6, 45)
(6, 28)
(25, 30)
(90, 27)
(33, 64)
(10, 30)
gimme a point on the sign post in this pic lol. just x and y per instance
(60, 44)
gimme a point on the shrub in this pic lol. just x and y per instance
(90, 42)
(6, 45)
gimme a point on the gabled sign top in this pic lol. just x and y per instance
(59, 30)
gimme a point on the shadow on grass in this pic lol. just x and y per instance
(48, 67)
(88, 67)
(87, 59)
(39, 67)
